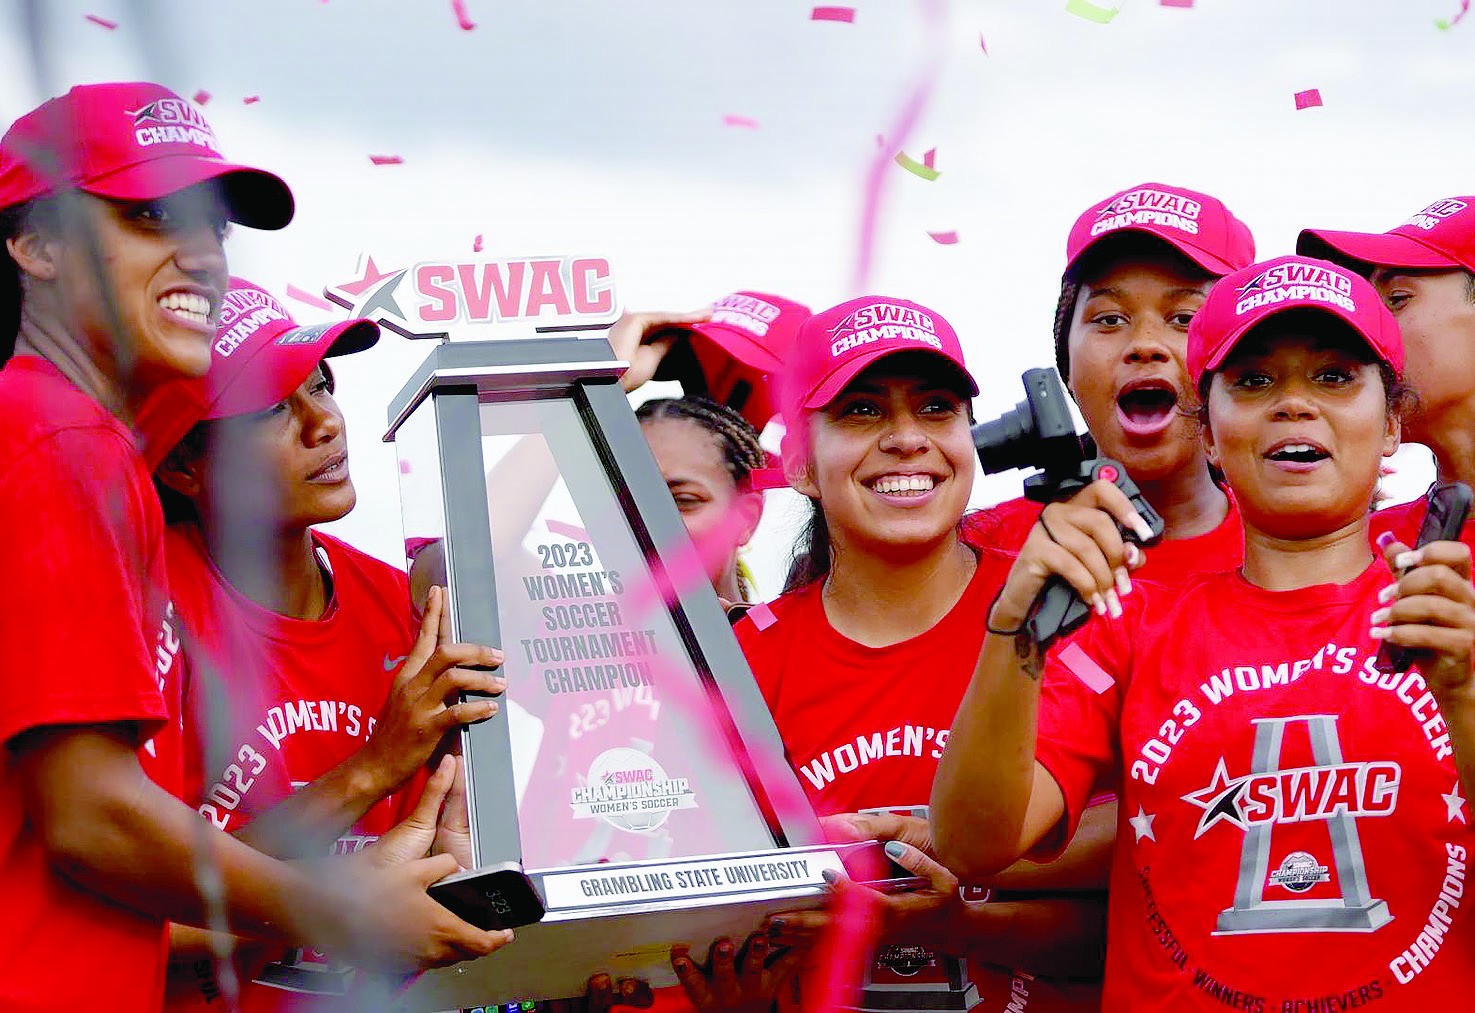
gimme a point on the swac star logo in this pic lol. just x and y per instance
(1255, 284)
(1219, 801)
(372, 296)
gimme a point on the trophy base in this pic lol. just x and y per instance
(595, 923)
(1303, 916)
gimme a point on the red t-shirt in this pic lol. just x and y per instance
(1006, 526)
(1293, 835)
(86, 643)
(865, 727)
(274, 703)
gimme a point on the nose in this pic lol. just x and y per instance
(201, 254)
(321, 420)
(1147, 342)
(904, 436)
(1294, 403)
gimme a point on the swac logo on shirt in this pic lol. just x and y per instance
(1331, 790)
(1435, 213)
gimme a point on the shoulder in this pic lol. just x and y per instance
(1003, 526)
(361, 563)
(365, 584)
(767, 630)
(1403, 519)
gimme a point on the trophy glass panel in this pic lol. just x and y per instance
(617, 754)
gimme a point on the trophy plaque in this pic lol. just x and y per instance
(633, 771)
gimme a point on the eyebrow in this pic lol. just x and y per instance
(1116, 293)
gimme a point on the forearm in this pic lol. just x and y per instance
(1084, 865)
(307, 822)
(992, 742)
(1057, 937)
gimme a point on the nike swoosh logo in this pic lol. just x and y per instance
(390, 664)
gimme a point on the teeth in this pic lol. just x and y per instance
(192, 307)
(891, 484)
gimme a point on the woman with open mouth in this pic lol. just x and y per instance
(1138, 267)
(1296, 820)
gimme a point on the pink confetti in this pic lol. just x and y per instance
(201, 97)
(762, 616)
(1308, 98)
(458, 7)
(930, 159)
(1176, 3)
(109, 25)
(845, 14)
(476, 244)
(935, 16)
(1085, 668)
(982, 44)
(566, 530)
(944, 238)
(404, 469)
(1445, 26)
(293, 292)
(733, 120)
(251, 100)
(386, 160)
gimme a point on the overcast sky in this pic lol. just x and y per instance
(590, 127)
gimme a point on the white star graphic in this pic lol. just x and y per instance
(1456, 805)
(1142, 825)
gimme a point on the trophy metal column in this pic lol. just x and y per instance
(633, 769)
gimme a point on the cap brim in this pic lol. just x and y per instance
(1238, 334)
(832, 385)
(254, 198)
(1380, 249)
(277, 368)
(1215, 265)
(740, 346)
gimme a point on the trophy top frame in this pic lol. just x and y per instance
(510, 367)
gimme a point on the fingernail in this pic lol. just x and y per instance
(1381, 616)
(1098, 603)
(1144, 531)
(1388, 593)
(1404, 560)
(1123, 582)
(1384, 540)
(1134, 555)
(895, 849)
(831, 876)
(1378, 633)
(1113, 604)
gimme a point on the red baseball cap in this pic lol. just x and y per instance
(738, 351)
(134, 141)
(1197, 225)
(259, 357)
(1442, 236)
(835, 345)
(1247, 297)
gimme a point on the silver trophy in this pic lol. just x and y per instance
(631, 792)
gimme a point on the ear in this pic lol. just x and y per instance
(749, 507)
(36, 255)
(183, 471)
(1392, 435)
(797, 471)
(1206, 437)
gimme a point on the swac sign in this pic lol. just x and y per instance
(426, 299)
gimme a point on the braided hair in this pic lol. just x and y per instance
(741, 453)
